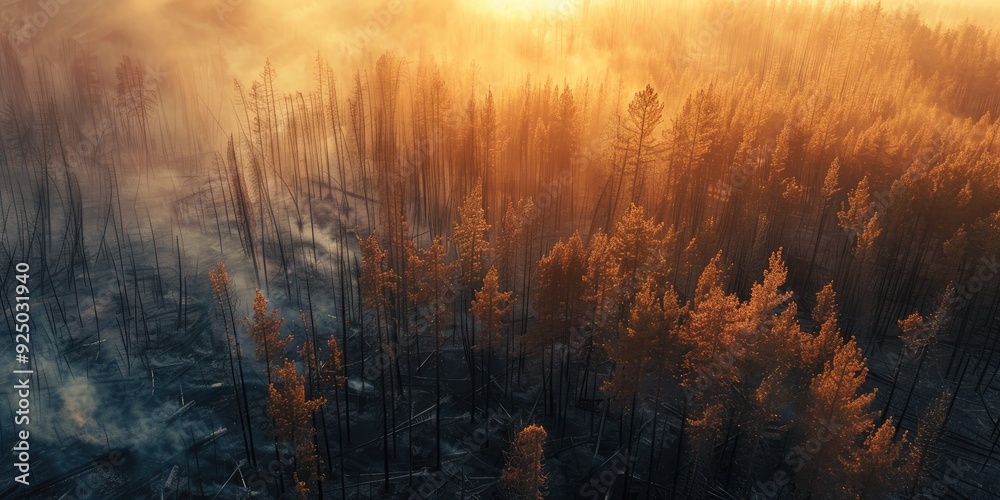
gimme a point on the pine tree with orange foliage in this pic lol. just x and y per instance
(490, 308)
(837, 415)
(310, 358)
(470, 236)
(432, 291)
(300, 489)
(694, 140)
(523, 475)
(559, 301)
(645, 112)
(649, 344)
(332, 377)
(265, 331)
(649, 340)
(377, 279)
(515, 261)
(292, 413)
(881, 466)
(324, 374)
(860, 220)
(757, 313)
(768, 346)
(768, 327)
(712, 350)
(636, 248)
(376, 282)
(331, 371)
(559, 304)
(602, 285)
(829, 188)
(929, 430)
(919, 335)
(819, 348)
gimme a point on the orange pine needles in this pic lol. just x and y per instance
(265, 331)
(470, 236)
(523, 475)
(491, 307)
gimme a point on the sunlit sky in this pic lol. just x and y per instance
(515, 7)
(246, 32)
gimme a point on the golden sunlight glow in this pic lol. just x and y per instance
(531, 7)
(739, 248)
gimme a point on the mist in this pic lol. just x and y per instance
(422, 249)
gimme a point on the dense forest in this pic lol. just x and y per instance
(588, 249)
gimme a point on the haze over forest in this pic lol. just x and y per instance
(502, 248)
